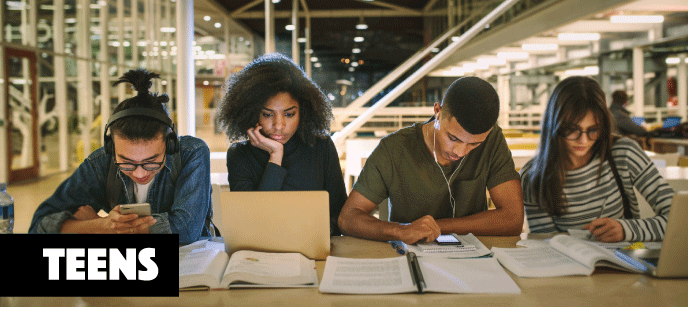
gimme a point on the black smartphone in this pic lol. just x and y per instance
(447, 239)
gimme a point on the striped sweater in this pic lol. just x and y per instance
(586, 196)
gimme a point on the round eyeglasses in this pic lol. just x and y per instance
(576, 133)
(148, 166)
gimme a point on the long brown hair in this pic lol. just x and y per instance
(568, 104)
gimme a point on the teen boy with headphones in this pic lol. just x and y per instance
(142, 160)
(436, 174)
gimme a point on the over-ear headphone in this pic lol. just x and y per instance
(172, 143)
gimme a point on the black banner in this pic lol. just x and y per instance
(68, 265)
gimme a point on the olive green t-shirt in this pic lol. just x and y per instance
(402, 169)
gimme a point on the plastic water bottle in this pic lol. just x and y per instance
(6, 210)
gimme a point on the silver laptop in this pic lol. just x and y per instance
(277, 221)
(671, 261)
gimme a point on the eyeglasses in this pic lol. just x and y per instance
(149, 166)
(575, 133)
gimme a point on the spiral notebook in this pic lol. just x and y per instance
(470, 247)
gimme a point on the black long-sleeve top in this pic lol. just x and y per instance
(624, 124)
(303, 168)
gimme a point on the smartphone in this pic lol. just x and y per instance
(447, 239)
(140, 209)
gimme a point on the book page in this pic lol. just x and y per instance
(270, 270)
(588, 254)
(584, 235)
(201, 268)
(277, 265)
(537, 262)
(367, 276)
(482, 275)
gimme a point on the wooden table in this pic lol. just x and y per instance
(606, 287)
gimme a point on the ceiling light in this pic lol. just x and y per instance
(207, 18)
(579, 36)
(434, 50)
(361, 25)
(351, 69)
(637, 19)
(586, 71)
(217, 24)
(469, 66)
(317, 65)
(539, 47)
(672, 60)
(205, 83)
(275, 1)
(314, 59)
(455, 39)
(289, 27)
(514, 55)
(301, 40)
(359, 39)
(356, 50)
(492, 61)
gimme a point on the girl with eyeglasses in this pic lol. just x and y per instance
(583, 176)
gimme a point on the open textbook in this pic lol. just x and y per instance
(205, 265)
(410, 273)
(585, 235)
(563, 256)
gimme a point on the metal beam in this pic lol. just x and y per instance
(530, 23)
(409, 63)
(340, 136)
(389, 6)
(345, 13)
(186, 109)
(269, 22)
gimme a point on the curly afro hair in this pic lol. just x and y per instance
(246, 92)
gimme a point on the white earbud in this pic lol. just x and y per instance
(437, 126)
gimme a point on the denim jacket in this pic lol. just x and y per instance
(184, 208)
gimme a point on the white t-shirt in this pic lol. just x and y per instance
(141, 191)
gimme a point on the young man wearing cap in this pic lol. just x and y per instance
(142, 161)
(436, 174)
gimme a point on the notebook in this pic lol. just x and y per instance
(673, 256)
(277, 221)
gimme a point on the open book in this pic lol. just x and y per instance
(206, 266)
(563, 256)
(410, 273)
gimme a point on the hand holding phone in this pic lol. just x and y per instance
(140, 209)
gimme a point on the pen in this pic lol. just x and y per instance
(397, 247)
(603, 205)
